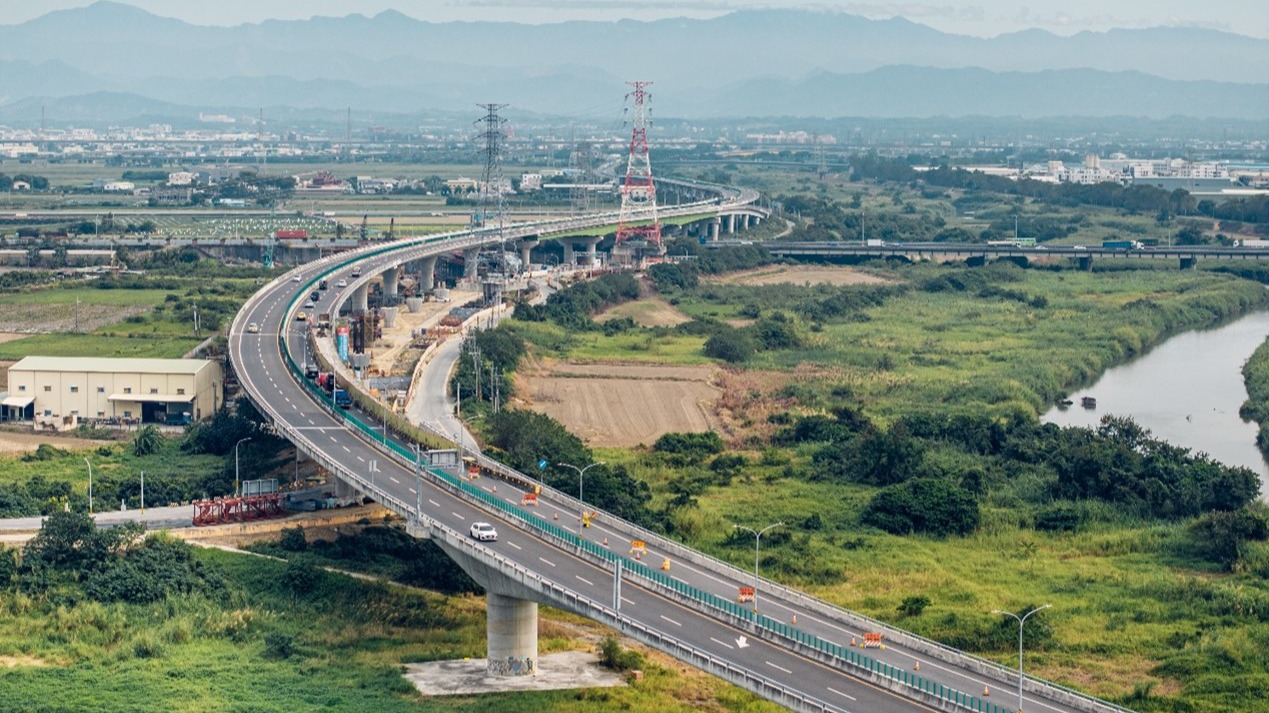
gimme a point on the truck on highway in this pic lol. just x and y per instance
(342, 399)
(1257, 244)
(1121, 245)
(874, 243)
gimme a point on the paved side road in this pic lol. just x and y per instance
(177, 516)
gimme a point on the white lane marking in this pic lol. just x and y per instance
(518, 547)
(412, 490)
(583, 579)
(363, 460)
(626, 600)
(433, 502)
(724, 643)
(346, 449)
(460, 517)
(847, 695)
(549, 562)
(394, 480)
(310, 422)
(332, 440)
(778, 668)
(673, 621)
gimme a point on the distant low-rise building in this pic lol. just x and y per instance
(59, 392)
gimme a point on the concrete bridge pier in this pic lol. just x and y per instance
(713, 229)
(1188, 263)
(526, 249)
(570, 258)
(731, 223)
(390, 282)
(511, 615)
(360, 298)
(744, 222)
(591, 245)
(511, 636)
(427, 273)
(1085, 263)
(470, 258)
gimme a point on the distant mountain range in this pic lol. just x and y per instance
(84, 64)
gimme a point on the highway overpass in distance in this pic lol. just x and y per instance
(800, 652)
(1186, 255)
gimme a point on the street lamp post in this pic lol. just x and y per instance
(757, 543)
(1021, 620)
(90, 487)
(581, 482)
(143, 492)
(237, 482)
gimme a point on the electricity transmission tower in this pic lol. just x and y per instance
(638, 229)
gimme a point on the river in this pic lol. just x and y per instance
(1187, 391)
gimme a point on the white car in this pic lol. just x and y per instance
(484, 532)
(253, 328)
(295, 278)
(342, 283)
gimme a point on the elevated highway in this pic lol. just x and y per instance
(797, 650)
(1187, 255)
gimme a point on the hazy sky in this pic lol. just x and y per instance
(975, 17)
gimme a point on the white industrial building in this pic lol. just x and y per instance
(59, 392)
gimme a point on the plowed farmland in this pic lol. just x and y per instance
(623, 405)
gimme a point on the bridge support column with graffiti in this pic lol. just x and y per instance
(511, 636)
(511, 616)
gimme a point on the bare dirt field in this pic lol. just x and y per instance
(623, 405)
(649, 312)
(11, 442)
(800, 275)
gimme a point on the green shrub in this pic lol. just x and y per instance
(928, 506)
(614, 657)
(279, 645)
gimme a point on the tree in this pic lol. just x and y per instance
(147, 441)
(1223, 535)
(293, 540)
(300, 578)
(731, 345)
(929, 506)
(874, 458)
(914, 606)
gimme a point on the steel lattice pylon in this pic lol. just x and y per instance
(489, 211)
(637, 220)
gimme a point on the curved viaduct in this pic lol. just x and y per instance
(800, 652)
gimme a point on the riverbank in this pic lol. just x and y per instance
(941, 374)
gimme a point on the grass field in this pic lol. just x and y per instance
(208, 654)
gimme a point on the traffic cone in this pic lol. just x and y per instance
(986, 691)
(795, 619)
(495, 488)
(916, 666)
(853, 642)
(605, 542)
(557, 516)
(666, 564)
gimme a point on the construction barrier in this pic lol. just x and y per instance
(872, 640)
(746, 594)
(529, 499)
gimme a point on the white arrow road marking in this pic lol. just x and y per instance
(741, 642)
